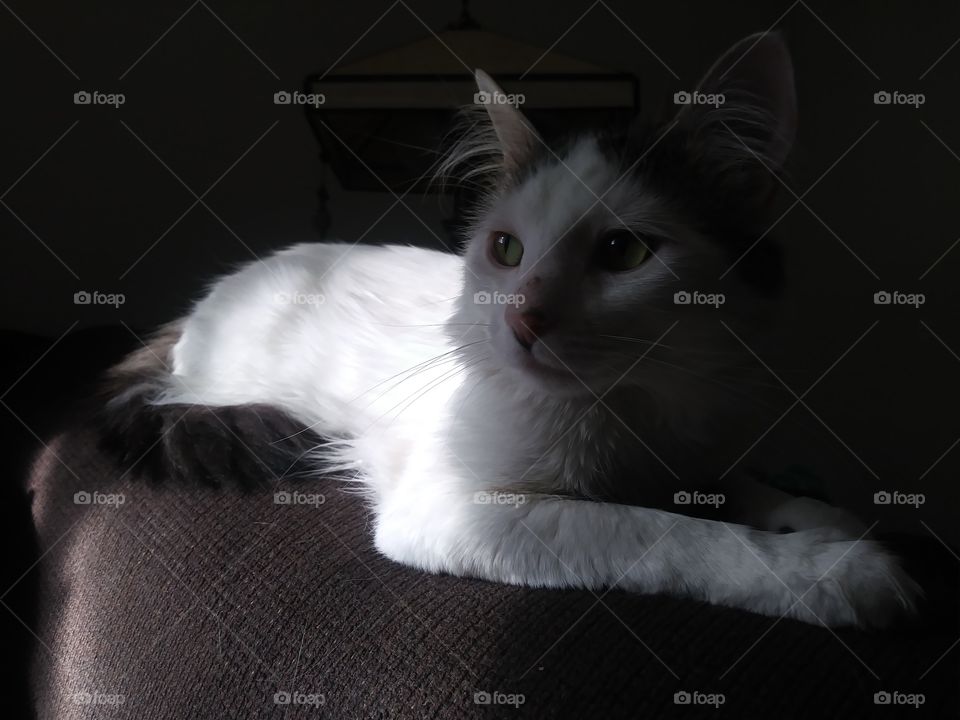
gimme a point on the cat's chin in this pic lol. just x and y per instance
(539, 377)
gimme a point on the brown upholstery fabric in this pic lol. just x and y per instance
(195, 602)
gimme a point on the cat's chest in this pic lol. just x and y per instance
(578, 454)
(550, 446)
(612, 449)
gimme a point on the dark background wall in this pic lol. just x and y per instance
(98, 208)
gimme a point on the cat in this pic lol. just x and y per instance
(528, 410)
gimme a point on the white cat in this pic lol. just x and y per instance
(522, 411)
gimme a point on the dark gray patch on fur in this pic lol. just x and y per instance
(146, 368)
(729, 203)
(246, 445)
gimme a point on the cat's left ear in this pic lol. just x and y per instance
(517, 138)
(745, 114)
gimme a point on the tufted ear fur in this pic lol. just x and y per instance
(742, 121)
(516, 137)
(493, 142)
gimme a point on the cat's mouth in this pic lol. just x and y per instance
(541, 363)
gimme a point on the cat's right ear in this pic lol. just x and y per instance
(516, 137)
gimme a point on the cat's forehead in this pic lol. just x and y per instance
(580, 174)
(582, 187)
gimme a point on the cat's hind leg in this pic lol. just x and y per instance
(768, 508)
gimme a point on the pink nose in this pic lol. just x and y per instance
(527, 326)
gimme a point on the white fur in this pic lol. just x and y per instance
(482, 459)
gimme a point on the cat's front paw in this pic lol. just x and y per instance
(803, 513)
(844, 582)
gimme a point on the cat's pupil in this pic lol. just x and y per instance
(618, 245)
(621, 251)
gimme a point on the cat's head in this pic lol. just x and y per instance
(583, 255)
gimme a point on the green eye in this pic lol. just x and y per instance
(621, 251)
(506, 249)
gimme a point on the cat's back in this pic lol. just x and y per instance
(346, 316)
(341, 271)
(328, 282)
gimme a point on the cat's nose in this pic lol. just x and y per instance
(527, 326)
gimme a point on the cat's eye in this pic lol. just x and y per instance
(621, 250)
(506, 249)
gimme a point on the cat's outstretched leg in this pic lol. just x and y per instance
(813, 575)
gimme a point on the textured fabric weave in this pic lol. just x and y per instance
(187, 601)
